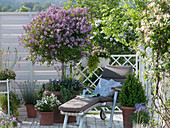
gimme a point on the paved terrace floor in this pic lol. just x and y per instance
(90, 121)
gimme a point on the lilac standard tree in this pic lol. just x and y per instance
(57, 34)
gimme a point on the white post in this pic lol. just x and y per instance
(31, 70)
(8, 98)
(136, 65)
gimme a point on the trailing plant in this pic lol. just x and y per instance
(14, 103)
(29, 92)
(65, 33)
(93, 59)
(7, 74)
(132, 92)
(93, 62)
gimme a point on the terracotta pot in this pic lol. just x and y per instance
(127, 111)
(59, 118)
(31, 112)
(46, 118)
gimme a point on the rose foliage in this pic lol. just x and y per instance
(57, 34)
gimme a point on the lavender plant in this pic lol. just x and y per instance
(57, 34)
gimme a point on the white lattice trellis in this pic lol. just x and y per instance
(120, 60)
(116, 60)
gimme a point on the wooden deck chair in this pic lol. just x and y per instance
(79, 105)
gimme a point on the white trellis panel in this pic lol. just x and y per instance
(120, 60)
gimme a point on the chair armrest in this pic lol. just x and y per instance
(87, 87)
(117, 88)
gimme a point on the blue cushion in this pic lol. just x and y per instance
(104, 87)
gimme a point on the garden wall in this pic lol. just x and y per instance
(10, 28)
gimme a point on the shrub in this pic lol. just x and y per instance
(132, 92)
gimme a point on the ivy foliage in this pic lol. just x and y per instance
(132, 92)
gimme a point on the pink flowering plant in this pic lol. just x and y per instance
(98, 51)
(93, 59)
(7, 74)
(58, 34)
(154, 33)
(9, 123)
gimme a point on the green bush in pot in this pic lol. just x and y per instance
(132, 92)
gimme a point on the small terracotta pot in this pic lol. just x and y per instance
(31, 112)
(46, 118)
(127, 111)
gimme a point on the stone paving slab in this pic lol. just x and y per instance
(90, 121)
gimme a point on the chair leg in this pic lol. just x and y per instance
(113, 108)
(65, 121)
(81, 121)
(77, 120)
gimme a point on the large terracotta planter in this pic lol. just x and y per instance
(127, 111)
(46, 118)
(58, 117)
(31, 112)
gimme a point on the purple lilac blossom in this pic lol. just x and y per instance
(59, 31)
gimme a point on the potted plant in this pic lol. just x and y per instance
(64, 90)
(58, 35)
(29, 95)
(4, 75)
(46, 106)
(98, 57)
(140, 117)
(14, 101)
(132, 92)
(7, 122)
